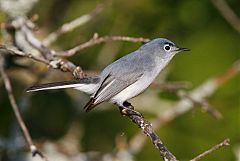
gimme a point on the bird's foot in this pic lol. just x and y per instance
(128, 105)
(128, 110)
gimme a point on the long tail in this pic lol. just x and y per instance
(87, 85)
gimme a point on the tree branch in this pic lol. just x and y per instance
(11, 50)
(178, 89)
(68, 27)
(147, 128)
(50, 56)
(225, 143)
(98, 40)
(18, 116)
(229, 15)
(200, 102)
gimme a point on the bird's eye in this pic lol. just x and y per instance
(167, 47)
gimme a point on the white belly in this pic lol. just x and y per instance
(132, 90)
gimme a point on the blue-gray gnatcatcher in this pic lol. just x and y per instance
(125, 78)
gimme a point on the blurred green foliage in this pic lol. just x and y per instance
(194, 24)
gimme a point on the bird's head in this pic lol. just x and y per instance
(163, 48)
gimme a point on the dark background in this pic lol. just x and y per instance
(53, 116)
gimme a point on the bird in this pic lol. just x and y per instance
(123, 79)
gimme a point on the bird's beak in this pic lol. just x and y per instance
(182, 49)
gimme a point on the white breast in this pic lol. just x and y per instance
(140, 85)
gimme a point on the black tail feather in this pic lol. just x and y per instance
(90, 105)
(64, 84)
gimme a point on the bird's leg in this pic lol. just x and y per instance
(128, 105)
(128, 110)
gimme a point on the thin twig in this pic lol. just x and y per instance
(25, 26)
(225, 143)
(147, 128)
(34, 42)
(68, 27)
(233, 70)
(227, 12)
(50, 56)
(97, 40)
(177, 88)
(15, 108)
(4, 49)
(201, 102)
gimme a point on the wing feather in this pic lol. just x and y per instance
(109, 88)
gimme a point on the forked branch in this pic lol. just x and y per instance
(98, 40)
(225, 143)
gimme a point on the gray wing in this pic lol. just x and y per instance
(109, 88)
(112, 86)
(118, 76)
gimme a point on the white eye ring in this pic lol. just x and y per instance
(167, 47)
